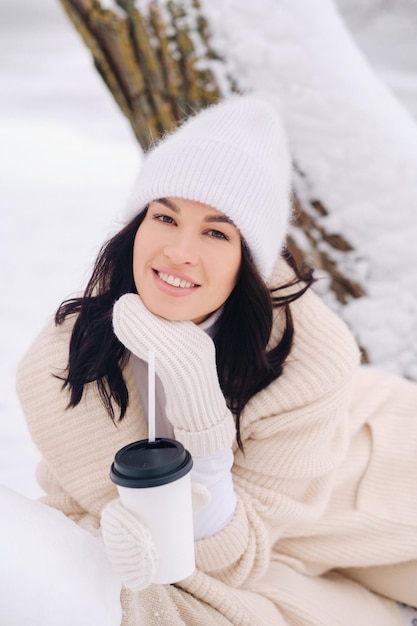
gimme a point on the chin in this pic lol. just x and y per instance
(167, 315)
(171, 315)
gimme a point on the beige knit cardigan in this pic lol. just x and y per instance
(327, 481)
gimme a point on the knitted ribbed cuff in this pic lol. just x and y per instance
(209, 441)
(238, 553)
(227, 547)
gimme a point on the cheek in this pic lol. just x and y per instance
(237, 262)
(138, 259)
(135, 270)
(233, 267)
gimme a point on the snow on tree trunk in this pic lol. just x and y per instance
(355, 147)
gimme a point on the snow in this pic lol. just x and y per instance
(36, 534)
(344, 78)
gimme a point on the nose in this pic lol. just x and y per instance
(182, 250)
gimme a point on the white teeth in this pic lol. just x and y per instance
(175, 281)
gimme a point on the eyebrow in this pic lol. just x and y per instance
(220, 217)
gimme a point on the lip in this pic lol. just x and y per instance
(175, 273)
(171, 290)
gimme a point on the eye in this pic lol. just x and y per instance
(165, 219)
(217, 234)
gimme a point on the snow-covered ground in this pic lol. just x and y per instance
(69, 157)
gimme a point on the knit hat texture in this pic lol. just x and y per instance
(232, 156)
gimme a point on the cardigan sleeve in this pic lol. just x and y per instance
(58, 498)
(77, 444)
(295, 435)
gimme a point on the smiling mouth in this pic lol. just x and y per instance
(175, 281)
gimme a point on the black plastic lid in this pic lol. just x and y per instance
(150, 464)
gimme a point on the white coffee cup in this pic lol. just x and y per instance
(154, 482)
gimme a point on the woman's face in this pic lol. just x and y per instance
(186, 259)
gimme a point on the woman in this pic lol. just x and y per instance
(304, 459)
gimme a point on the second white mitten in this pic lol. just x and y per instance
(129, 546)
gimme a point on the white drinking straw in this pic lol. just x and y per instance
(151, 394)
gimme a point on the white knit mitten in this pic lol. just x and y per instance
(185, 361)
(129, 546)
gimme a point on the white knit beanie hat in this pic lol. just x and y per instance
(232, 156)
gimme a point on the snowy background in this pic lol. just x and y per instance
(347, 87)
